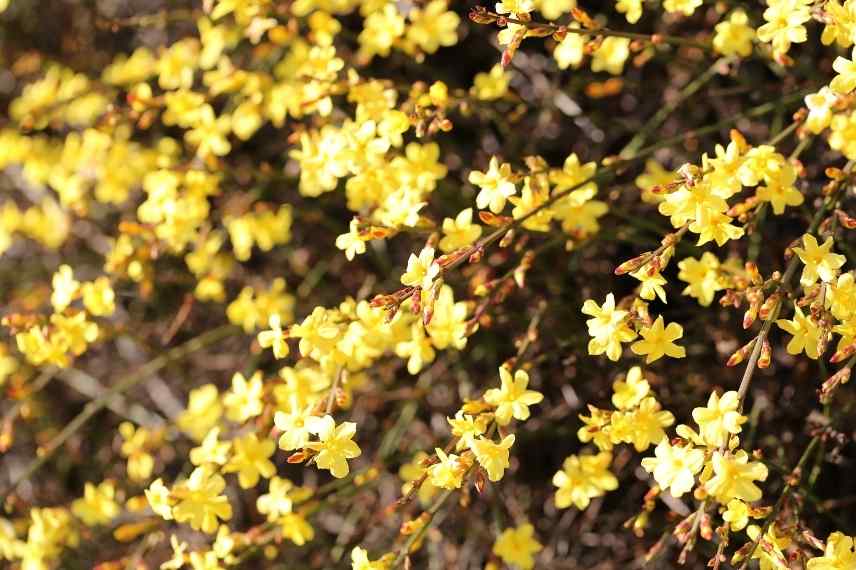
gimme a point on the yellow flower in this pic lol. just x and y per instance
(785, 19)
(597, 428)
(719, 419)
(73, 333)
(819, 260)
(10, 546)
(295, 528)
(135, 448)
(176, 64)
(98, 297)
(460, 231)
(200, 500)
(274, 338)
(843, 135)
(412, 471)
(514, 6)
(734, 477)
(360, 561)
(512, 399)
(845, 81)
(251, 459)
(381, 29)
(632, 9)
(527, 205)
(842, 297)
(202, 413)
(839, 554)
(421, 270)
(805, 333)
(780, 190)
(493, 457)
(334, 445)
(674, 466)
(582, 478)
(495, 184)
(210, 133)
(64, 288)
(432, 26)
(204, 560)
(840, 22)
(627, 393)
(182, 107)
(417, 349)
(734, 36)
(211, 450)
(607, 327)
(642, 426)
(448, 326)
(659, 341)
(703, 277)
(715, 226)
(553, 9)
(98, 505)
(38, 348)
(492, 85)
(736, 515)
(611, 55)
(571, 50)
(654, 175)
(819, 107)
(517, 546)
(651, 284)
(277, 501)
(466, 428)
(771, 549)
(158, 497)
(294, 426)
(449, 472)
(352, 242)
(685, 7)
(244, 400)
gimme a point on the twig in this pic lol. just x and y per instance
(618, 164)
(660, 116)
(413, 538)
(35, 386)
(791, 483)
(783, 283)
(95, 406)
(331, 397)
(650, 38)
(89, 386)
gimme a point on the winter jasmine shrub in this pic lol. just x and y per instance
(406, 284)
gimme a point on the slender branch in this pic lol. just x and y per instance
(414, 538)
(791, 483)
(178, 353)
(783, 283)
(619, 163)
(649, 38)
(36, 385)
(331, 397)
(89, 386)
(660, 116)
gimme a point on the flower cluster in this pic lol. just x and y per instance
(309, 232)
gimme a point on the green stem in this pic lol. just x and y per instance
(95, 406)
(789, 487)
(660, 116)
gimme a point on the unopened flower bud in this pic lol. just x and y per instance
(766, 355)
(741, 354)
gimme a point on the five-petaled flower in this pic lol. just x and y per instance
(512, 399)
